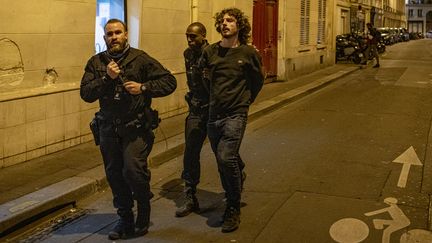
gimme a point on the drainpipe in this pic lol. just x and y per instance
(194, 11)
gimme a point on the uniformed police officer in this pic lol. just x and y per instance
(196, 121)
(124, 80)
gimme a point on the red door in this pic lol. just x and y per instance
(264, 33)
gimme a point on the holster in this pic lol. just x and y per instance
(94, 128)
(152, 116)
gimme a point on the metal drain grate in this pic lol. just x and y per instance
(45, 229)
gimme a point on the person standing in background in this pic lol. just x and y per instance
(374, 37)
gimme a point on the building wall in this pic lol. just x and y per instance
(46, 39)
(38, 117)
(418, 23)
(295, 59)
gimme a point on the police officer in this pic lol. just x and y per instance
(124, 80)
(196, 121)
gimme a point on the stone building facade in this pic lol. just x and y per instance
(419, 14)
(353, 15)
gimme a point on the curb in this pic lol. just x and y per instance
(18, 212)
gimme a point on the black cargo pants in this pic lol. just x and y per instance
(125, 149)
(195, 134)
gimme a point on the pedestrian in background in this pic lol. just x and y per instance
(233, 69)
(196, 121)
(374, 37)
(125, 80)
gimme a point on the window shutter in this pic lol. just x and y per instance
(304, 22)
(322, 4)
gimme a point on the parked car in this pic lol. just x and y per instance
(429, 34)
(386, 36)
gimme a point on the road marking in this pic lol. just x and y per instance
(416, 235)
(407, 158)
(349, 230)
(399, 219)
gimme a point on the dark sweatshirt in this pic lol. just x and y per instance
(235, 78)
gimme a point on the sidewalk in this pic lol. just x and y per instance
(62, 178)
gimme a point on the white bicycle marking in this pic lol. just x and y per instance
(349, 230)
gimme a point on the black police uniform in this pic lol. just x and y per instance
(126, 136)
(196, 121)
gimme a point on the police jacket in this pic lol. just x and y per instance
(198, 92)
(136, 66)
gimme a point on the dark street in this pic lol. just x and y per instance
(348, 163)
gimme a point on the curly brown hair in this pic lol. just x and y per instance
(242, 23)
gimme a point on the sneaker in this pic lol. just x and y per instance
(231, 219)
(243, 178)
(124, 228)
(376, 66)
(190, 205)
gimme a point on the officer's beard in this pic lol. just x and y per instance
(117, 48)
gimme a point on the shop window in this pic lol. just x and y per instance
(105, 10)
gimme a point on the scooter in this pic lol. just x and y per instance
(348, 49)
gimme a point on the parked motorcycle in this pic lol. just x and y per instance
(347, 49)
(381, 47)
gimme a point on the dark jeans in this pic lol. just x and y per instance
(125, 160)
(225, 136)
(372, 49)
(195, 134)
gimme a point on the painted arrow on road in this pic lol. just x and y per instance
(407, 158)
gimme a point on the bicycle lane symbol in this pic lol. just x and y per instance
(354, 230)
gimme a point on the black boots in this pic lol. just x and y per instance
(190, 205)
(231, 219)
(143, 218)
(125, 227)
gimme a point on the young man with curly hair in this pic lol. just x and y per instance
(233, 70)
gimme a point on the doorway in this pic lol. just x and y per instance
(265, 34)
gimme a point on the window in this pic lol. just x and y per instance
(304, 22)
(105, 10)
(419, 13)
(322, 4)
(411, 12)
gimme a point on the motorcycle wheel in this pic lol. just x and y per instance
(356, 59)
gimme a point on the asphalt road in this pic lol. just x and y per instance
(349, 163)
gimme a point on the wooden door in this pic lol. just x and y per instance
(265, 33)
